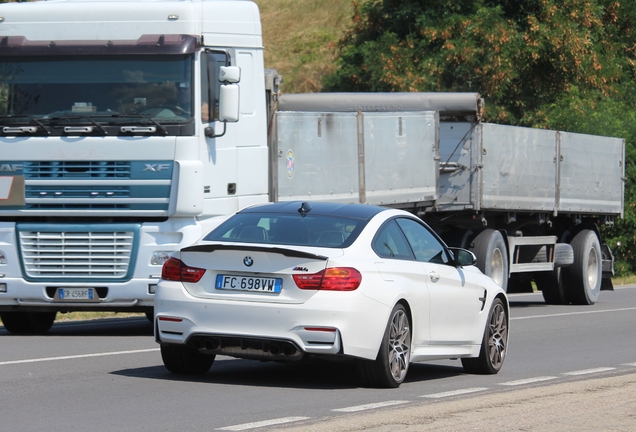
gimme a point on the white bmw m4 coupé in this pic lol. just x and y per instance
(288, 281)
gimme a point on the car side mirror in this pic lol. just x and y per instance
(463, 257)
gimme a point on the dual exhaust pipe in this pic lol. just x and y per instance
(230, 346)
(208, 344)
(284, 349)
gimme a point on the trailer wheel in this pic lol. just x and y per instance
(492, 257)
(33, 323)
(552, 285)
(583, 278)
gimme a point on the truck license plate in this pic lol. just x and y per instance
(248, 283)
(75, 293)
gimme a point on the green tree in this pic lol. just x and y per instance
(521, 55)
(561, 64)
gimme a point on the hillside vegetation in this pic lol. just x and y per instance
(558, 64)
(300, 38)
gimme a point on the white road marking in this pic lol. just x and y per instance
(628, 364)
(254, 425)
(80, 356)
(371, 406)
(455, 392)
(528, 381)
(589, 371)
(574, 313)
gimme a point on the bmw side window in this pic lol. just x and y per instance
(211, 61)
(389, 242)
(425, 245)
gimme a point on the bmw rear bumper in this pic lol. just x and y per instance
(329, 323)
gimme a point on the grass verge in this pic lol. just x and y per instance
(300, 38)
(84, 316)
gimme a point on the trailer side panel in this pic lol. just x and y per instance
(519, 168)
(592, 172)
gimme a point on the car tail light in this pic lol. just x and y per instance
(175, 270)
(331, 279)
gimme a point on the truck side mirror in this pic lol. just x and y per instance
(229, 103)
(229, 98)
(229, 74)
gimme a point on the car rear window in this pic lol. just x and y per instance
(286, 229)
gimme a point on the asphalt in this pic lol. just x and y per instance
(601, 404)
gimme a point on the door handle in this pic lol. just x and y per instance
(434, 276)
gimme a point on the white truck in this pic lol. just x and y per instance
(128, 129)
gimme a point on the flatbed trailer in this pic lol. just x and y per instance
(529, 202)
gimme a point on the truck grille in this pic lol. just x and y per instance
(72, 170)
(76, 255)
(99, 187)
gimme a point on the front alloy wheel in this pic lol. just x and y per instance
(494, 343)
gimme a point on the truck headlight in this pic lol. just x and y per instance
(160, 257)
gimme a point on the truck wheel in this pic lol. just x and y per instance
(184, 360)
(492, 257)
(494, 344)
(33, 323)
(552, 285)
(389, 369)
(583, 278)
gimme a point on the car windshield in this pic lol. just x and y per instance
(96, 88)
(288, 229)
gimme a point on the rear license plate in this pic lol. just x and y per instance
(248, 283)
(75, 294)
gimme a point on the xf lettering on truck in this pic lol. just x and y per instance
(11, 167)
(156, 167)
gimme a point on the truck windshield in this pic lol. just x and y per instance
(96, 88)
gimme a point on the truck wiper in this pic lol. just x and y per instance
(144, 116)
(86, 117)
(21, 130)
(156, 123)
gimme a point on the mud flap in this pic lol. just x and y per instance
(608, 268)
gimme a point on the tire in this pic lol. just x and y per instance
(492, 257)
(563, 255)
(458, 238)
(552, 285)
(31, 323)
(391, 365)
(494, 343)
(184, 360)
(584, 277)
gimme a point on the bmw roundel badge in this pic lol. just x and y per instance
(248, 261)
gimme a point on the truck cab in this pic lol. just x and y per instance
(118, 145)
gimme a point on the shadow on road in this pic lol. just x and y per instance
(315, 375)
(527, 304)
(97, 327)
